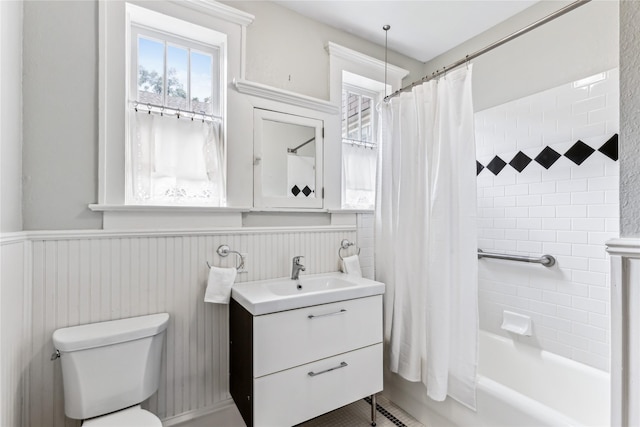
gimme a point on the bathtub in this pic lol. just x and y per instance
(518, 385)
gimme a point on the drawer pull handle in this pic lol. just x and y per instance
(341, 365)
(313, 316)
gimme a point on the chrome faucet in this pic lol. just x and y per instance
(296, 267)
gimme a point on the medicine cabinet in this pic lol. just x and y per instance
(287, 160)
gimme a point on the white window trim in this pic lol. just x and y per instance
(344, 59)
(113, 77)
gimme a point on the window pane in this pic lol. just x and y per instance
(177, 84)
(366, 119)
(353, 116)
(150, 71)
(201, 82)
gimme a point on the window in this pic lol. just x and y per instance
(359, 146)
(175, 153)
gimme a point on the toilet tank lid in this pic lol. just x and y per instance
(100, 334)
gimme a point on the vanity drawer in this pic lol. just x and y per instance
(292, 338)
(290, 397)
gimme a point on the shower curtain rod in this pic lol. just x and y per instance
(466, 59)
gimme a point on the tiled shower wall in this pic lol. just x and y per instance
(548, 183)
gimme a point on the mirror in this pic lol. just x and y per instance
(287, 160)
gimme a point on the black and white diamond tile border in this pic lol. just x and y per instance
(359, 414)
(577, 153)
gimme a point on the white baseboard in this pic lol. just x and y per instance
(209, 412)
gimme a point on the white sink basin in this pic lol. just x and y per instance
(269, 296)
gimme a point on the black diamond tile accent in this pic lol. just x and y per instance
(306, 191)
(520, 161)
(479, 168)
(579, 152)
(547, 157)
(610, 148)
(295, 190)
(496, 165)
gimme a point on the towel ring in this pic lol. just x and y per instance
(224, 251)
(344, 244)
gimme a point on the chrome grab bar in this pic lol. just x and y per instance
(546, 260)
(314, 316)
(342, 365)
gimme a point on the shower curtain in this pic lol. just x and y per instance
(426, 235)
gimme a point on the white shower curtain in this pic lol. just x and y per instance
(426, 235)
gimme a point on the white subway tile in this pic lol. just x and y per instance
(556, 298)
(612, 196)
(603, 211)
(506, 177)
(611, 168)
(495, 191)
(516, 302)
(530, 223)
(573, 185)
(590, 305)
(556, 199)
(519, 212)
(599, 293)
(529, 247)
(573, 236)
(591, 359)
(530, 293)
(574, 263)
(599, 320)
(589, 251)
(516, 190)
(556, 174)
(542, 235)
(492, 233)
(599, 265)
(589, 278)
(486, 243)
(516, 234)
(542, 211)
(573, 288)
(557, 323)
(612, 225)
(577, 316)
(587, 197)
(603, 114)
(601, 238)
(532, 200)
(599, 348)
(505, 223)
(543, 307)
(557, 348)
(587, 224)
(590, 130)
(573, 340)
(485, 223)
(603, 183)
(588, 104)
(542, 187)
(571, 211)
(587, 171)
(530, 174)
(591, 332)
(501, 202)
(556, 224)
(556, 248)
(485, 202)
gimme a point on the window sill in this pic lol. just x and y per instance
(164, 208)
(352, 211)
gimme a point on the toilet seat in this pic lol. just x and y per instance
(130, 417)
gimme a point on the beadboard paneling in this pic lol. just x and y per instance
(14, 326)
(91, 278)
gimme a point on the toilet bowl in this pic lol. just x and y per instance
(109, 368)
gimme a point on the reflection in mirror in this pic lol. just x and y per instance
(288, 160)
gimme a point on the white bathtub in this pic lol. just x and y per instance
(518, 385)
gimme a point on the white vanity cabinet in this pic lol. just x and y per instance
(291, 366)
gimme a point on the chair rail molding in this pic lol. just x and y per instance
(625, 331)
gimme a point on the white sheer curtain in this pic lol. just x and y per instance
(176, 161)
(426, 236)
(358, 176)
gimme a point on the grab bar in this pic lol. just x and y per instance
(546, 260)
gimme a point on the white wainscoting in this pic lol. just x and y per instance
(83, 277)
(14, 326)
(625, 331)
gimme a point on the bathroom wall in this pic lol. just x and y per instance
(80, 277)
(10, 116)
(564, 202)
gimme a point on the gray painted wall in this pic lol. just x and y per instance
(60, 98)
(629, 123)
(61, 101)
(579, 44)
(10, 116)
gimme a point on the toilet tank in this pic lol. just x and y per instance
(108, 366)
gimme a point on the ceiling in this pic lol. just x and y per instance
(420, 29)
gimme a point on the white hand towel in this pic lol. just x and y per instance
(219, 285)
(351, 265)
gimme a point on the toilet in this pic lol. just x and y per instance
(109, 368)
